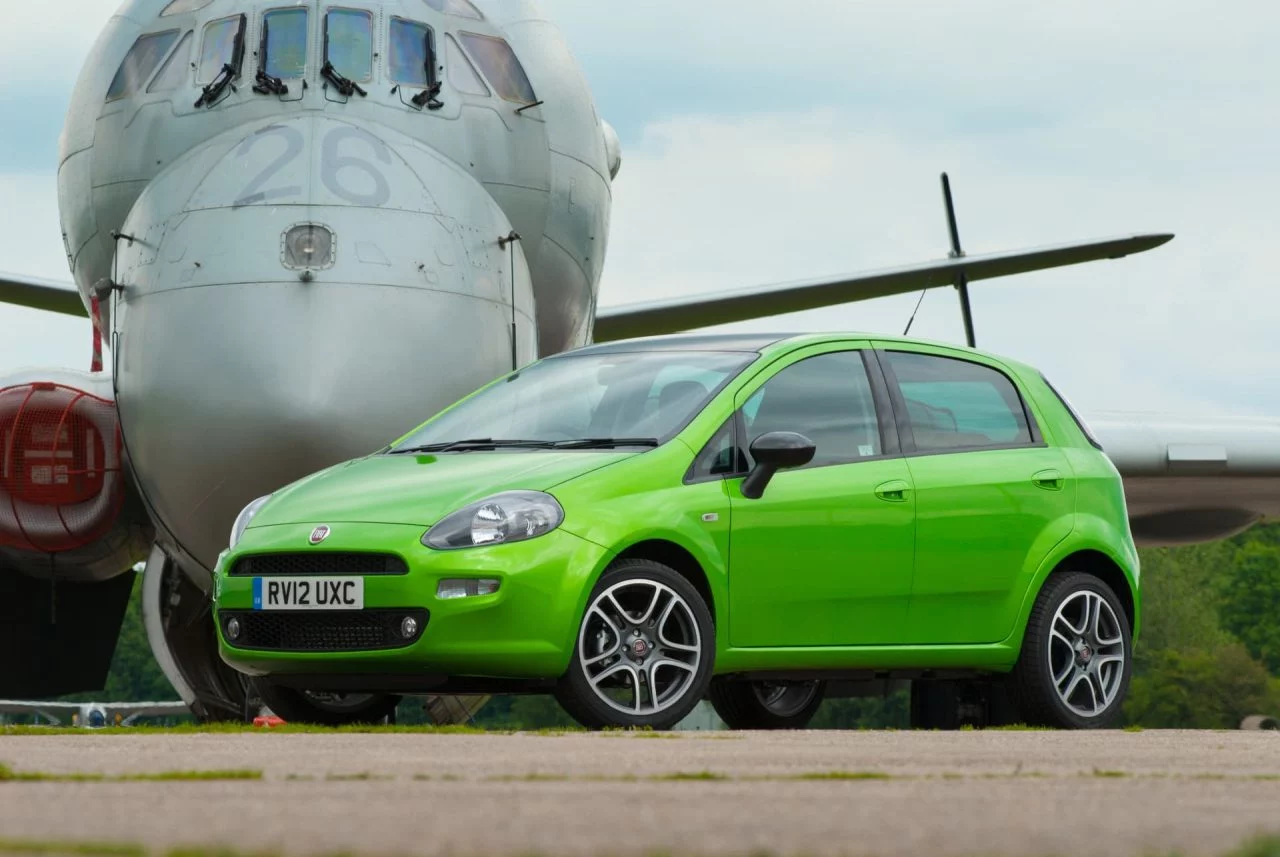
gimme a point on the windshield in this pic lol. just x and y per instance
(634, 395)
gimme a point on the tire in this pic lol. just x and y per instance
(766, 705)
(322, 709)
(1073, 671)
(642, 619)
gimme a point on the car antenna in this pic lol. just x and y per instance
(961, 280)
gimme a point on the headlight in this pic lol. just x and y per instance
(510, 517)
(245, 516)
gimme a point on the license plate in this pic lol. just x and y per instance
(308, 593)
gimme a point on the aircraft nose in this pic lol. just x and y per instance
(258, 342)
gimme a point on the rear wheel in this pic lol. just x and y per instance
(644, 650)
(326, 709)
(1076, 660)
(766, 704)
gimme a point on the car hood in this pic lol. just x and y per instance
(422, 489)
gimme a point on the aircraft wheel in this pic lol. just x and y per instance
(766, 704)
(326, 709)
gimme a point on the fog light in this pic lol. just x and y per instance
(449, 589)
(233, 628)
(409, 627)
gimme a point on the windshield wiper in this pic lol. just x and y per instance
(345, 86)
(479, 443)
(605, 442)
(210, 93)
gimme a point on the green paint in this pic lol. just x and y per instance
(904, 560)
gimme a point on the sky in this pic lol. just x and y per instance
(768, 141)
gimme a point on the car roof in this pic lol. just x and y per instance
(760, 342)
(687, 342)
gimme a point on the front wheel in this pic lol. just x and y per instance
(1076, 660)
(766, 704)
(644, 651)
(326, 709)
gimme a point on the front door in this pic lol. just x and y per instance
(992, 499)
(825, 557)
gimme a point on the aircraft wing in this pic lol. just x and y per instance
(37, 293)
(687, 313)
(1193, 480)
(54, 712)
(131, 711)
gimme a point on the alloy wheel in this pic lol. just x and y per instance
(639, 647)
(1086, 653)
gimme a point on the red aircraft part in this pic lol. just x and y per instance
(61, 478)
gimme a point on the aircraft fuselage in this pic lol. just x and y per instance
(247, 355)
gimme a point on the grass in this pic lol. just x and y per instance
(84, 849)
(682, 776)
(1265, 846)
(1099, 772)
(843, 775)
(246, 729)
(8, 774)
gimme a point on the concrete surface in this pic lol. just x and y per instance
(963, 793)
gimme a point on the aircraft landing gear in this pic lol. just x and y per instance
(950, 704)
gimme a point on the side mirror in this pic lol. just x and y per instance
(777, 450)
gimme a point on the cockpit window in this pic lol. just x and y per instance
(499, 64)
(461, 8)
(348, 43)
(174, 72)
(223, 46)
(179, 7)
(412, 55)
(462, 74)
(284, 43)
(138, 64)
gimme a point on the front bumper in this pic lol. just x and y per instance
(523, 631)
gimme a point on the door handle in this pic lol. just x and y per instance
(1049, 480)
(893, 492)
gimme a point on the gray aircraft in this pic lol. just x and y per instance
(302, 228)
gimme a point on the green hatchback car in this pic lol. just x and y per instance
(760, 520)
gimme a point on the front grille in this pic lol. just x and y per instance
(319, 564)
(336, 631)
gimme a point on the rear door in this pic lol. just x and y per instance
(992, 498)
(825, 557)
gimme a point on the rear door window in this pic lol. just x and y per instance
(498, 63)
(139, 63)
(954, 404)
(348, 43)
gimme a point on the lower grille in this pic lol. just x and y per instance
(319, 564)
(337, 631)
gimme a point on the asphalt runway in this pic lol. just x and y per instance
(820, 793)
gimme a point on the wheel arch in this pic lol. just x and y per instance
(1090, 558)
(680, 560)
